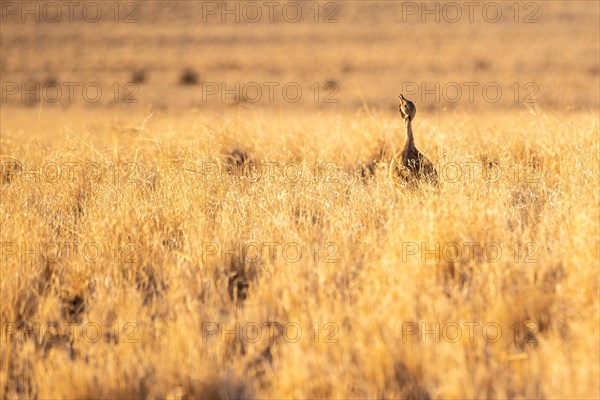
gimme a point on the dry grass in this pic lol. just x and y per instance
(176, 289)
(373, 47)
(123, 226)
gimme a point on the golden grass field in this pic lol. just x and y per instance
(141, 259)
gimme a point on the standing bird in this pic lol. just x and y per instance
(414, 165)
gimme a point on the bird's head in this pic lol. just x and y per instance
(407, 108)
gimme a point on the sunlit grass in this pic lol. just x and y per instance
(348, 268)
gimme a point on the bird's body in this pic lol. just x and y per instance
(410, 165)
(413, 165)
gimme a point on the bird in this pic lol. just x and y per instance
(413, 166)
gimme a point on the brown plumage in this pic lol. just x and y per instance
(413, 166)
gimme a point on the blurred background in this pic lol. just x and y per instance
(327, 55)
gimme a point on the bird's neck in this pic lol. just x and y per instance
(410, 141)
